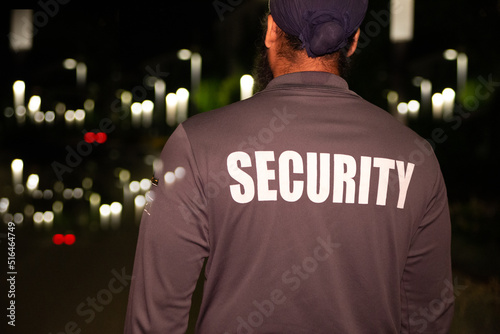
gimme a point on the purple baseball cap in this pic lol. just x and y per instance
(323, 26)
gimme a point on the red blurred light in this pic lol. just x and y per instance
(58, 239)
(69, 239)
(101, 137)
(89, 137)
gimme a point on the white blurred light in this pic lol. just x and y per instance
(18, 218)
(89, 105)
(39, 117)
(246, 86)
(57, 207)
(38, 218)
(80, 115)
(19, 88)
(17, 166)
(48, 217)
(34, 103)
(20, 111)
(116, 208)
(50, 116)
(448, 102)
(136, 109)
(169, 177)
(450, 54)
(95, 199)
(69, 116)
(21, 29)
(392, 97)
(403, 108)
(4, 205)
(402, 20)
(32, 182)
(180, 172)
(124, 175)
(81, 73)
(147, 106)
(182, 104)
(147, 109)
(134, 186)
(413, 107)
(437, 105)
(78, 193)
(60, 108)
(68, 193)
(140, 201)
(105, 210)
(157, 164)
(145, 184)
(462, 66)
(184, 54)
(69, 64)
(171, 100)
(126, 97)
(87, 183)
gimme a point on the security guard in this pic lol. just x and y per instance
(316, 211)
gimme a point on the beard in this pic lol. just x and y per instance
(262, 69)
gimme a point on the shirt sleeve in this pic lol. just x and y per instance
(427, 288)
(172, 244)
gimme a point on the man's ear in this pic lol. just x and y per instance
(354, 45)
(272, 32)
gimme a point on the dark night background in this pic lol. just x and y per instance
(123, 44)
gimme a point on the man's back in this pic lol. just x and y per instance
(317, 211)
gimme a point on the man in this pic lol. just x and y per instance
(316, 211)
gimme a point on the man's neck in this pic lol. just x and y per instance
(303, 63)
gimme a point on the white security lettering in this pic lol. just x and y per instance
(344, 170)
(264, 175)
(342, 178)
(288, 194)
(384, 165)
(312, 177)
(364, 179)
(240, 176)
(404, 181)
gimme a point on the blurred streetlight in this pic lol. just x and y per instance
(462, 66)
(196, 62)
(448, 102)
(402, 20)
(437, 106)
(171, 101)
(246, 86)
(19, 89)
(182, 104)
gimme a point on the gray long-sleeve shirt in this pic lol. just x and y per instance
(318, 213)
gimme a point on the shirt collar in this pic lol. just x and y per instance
(321, 79)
